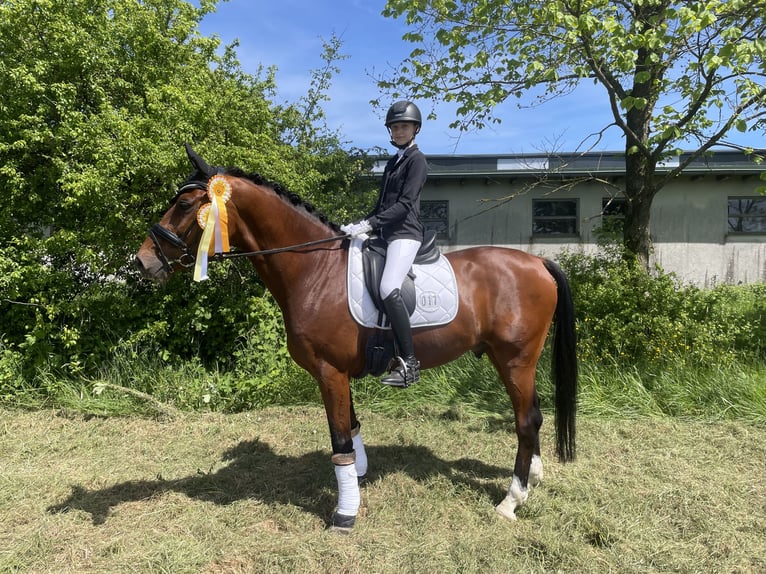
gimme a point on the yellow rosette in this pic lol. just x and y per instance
(214, 220)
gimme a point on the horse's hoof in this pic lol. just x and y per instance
(506, 509)
(342, 524)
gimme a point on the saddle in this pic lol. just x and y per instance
(433, 295)
(374, 260)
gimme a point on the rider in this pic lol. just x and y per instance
(396, 218)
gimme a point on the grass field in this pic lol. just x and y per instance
(252, 492)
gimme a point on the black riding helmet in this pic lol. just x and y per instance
(403, 111)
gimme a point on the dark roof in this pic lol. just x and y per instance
(594, 163)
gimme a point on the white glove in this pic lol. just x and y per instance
(357, 229)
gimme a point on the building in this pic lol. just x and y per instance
(708, 225)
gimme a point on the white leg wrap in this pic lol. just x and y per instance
(535, 471)
(517, 495)
(348, 489)
(361, 455)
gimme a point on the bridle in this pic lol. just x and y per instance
(158, 231)
(187, 258)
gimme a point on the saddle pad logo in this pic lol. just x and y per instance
(428, 300)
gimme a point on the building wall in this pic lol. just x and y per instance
(689, 223)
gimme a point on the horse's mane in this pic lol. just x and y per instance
(292, 198)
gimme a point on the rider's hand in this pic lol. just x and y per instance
(356, 229)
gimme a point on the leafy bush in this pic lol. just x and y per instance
(220, 344)
(630, 316)
(91, 135)
(11, 379)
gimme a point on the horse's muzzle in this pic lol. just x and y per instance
(151, 268)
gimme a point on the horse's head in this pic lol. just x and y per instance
(267, 219)
(172, 243)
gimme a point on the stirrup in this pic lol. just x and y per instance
(402, 375)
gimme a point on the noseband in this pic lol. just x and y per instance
(157, 232)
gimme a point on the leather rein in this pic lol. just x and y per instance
(187, 258)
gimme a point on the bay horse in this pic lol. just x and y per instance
(508, 300)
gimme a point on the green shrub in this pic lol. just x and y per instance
(221, 344)
(628, 315)
(11, 377)
(52, 324)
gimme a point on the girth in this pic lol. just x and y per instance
(374, 260)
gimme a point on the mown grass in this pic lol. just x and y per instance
(252, 492)
(125, 472)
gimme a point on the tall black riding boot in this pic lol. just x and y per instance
(408, 371)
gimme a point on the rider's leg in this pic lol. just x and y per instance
(408, 371)
(399, 257)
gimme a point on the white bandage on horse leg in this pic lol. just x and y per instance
(348, 489)
(517, 495)
(535, 471)
(361, 454)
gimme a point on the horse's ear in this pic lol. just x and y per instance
(199, 163)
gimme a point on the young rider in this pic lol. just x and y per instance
(396, 219)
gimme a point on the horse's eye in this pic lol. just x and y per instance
(184, 205)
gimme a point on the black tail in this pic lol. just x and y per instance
(564, 365)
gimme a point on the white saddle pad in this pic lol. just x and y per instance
(435, 292)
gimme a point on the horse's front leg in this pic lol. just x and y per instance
(349, 457)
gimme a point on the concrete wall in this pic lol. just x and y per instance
(689, 224)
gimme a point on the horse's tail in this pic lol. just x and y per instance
(564, 365)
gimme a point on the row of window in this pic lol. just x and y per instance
(560, 216)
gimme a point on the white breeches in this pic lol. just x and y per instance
(399, 257)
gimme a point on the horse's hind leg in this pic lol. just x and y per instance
(536, 464)
(528, 470)
(361, 454)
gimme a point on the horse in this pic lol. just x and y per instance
(507, 302)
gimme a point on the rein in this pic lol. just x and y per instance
(233, 254)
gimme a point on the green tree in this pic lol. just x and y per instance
(674, 74)
(98, 98)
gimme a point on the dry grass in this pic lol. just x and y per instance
(252, 492)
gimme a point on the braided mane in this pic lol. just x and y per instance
(293, 198)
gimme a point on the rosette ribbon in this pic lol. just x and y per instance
(214, 220)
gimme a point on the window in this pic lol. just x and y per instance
(435, 216)
(554, 217)
(747, 215)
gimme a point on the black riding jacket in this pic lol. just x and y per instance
(397, 212)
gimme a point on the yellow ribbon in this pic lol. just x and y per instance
(214, 220)
(221, 225)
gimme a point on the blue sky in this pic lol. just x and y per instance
(288, 34)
